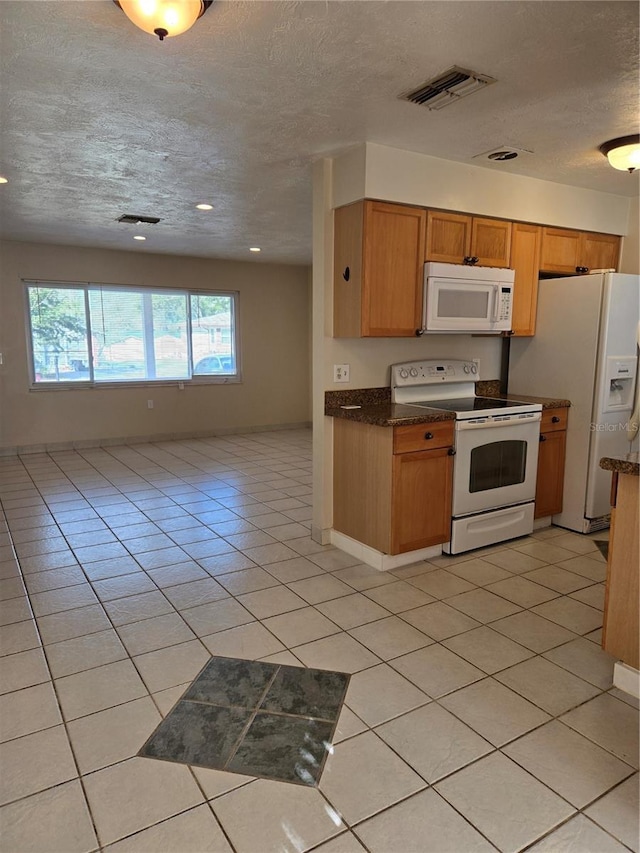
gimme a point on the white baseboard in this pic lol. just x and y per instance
(378, 560)
(154, 438)
(627, 679)
(540, 523)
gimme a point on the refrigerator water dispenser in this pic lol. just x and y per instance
(619, 383)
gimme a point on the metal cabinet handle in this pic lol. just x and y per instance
(543, 438)
(346, 275)
(555, 419)
(451, 451)
(428, 435)
(582, 269)
(470, 260)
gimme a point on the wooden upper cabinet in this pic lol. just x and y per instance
(448, 237)
(452, 237)
(491, 242)
(525, 261)
(574, 252)
(378, 269)
(600, 251)
(560, 250)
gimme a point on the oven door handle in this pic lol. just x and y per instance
(512, 422)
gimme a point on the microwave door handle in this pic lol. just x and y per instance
(496, 303)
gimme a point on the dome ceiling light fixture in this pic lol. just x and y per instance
(623, 153)
(164, 18)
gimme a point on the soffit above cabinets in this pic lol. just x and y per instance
(99, 118)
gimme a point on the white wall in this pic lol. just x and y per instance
(630, 259)
(376, 171)
(413, 178)
(274, 325)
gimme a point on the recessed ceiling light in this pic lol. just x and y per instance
(204, 206)
(139, 237)
(255, 249)
(3, 180)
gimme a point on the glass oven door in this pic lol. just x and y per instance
(496, 462)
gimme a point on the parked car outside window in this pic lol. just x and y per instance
(207, 365)
(214, 364)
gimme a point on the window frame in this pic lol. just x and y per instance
(91, 384)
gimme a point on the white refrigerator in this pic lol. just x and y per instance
(585, 350)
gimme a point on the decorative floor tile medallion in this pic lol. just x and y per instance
(254, 718)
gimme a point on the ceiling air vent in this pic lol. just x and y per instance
(503, 152)
(130, 219)
(447, 88)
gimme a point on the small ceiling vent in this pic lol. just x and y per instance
(447, 88)
(503, 152)
(130, 219)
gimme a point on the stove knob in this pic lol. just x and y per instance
(403, 374)
(466, 368)
(474, 368)
(413, 372)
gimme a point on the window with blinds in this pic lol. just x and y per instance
(91, 333)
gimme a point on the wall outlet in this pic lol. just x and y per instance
(149, 404)
(340, 372)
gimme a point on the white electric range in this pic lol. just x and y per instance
(496, 450)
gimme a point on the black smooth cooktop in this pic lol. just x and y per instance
(469, 404)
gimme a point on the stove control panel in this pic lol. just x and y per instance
(432, 372)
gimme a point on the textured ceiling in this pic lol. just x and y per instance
(100, 119)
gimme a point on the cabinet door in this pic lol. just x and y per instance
(491, 242)
(525, 260)
(550, 480)
(392, 269)
(421, 501)
(560, 250)
(599, 251)
(347, 270)
(448, 237)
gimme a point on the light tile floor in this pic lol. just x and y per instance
(480, 714)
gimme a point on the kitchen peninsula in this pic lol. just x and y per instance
(620, 629)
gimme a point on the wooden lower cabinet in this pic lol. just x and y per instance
(551, 453)
(421, 500)
(620, 630)
(392, 501)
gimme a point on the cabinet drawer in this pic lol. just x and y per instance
(407, 439)
(553, 419)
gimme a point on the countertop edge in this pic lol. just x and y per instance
(619, 465)
(388, 415)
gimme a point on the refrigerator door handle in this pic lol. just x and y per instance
(633, 425)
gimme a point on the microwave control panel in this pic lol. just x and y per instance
(504, 304)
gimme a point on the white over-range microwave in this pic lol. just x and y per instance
(459, 298)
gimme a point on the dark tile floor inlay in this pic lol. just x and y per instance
(254, 718)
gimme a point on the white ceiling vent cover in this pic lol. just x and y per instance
(503, 152)
(447, 88)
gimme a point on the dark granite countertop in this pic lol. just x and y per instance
(547, 402)
(389, 414)
(374, 405)
(626, 463)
